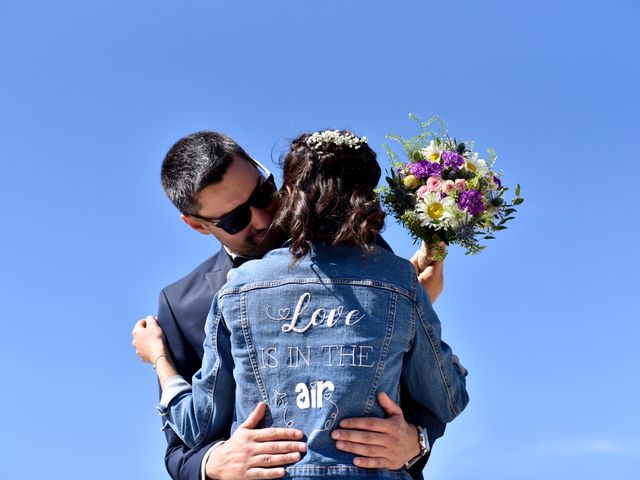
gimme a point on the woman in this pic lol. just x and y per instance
(317, 328)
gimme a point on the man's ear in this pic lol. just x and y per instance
(195, 224)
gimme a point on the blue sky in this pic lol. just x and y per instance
(92, 94)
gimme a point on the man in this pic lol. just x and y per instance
(221, 191)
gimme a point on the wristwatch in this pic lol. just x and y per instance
(423, 443)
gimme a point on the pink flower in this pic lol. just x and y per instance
(460, 184)
(448, 186)
(422, 191)
(434, 184)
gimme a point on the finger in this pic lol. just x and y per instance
(360, 436)
(274, 434)
(259, 473)
(140, 325)
(433, 272)
(388, 405)
(438, 267)
(274, 460)
(254, 418)
(371, 424)
(361, 449)
(280, 447)
(426, 273)
(414, 260)
(379, 462)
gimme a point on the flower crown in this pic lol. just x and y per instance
(326, 137)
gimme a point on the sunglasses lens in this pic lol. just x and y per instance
(236, 221)
(264, 194)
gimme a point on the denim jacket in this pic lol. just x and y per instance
(317, 341)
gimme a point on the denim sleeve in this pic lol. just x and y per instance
(204, 412)
(429, 372)
(182, 462)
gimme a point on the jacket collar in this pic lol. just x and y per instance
(217, 276)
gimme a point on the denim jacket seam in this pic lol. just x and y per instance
(314, 280)
(383, 354)
(412, 336)
(212, 382)
(414, 286)
(345, 471)
(414, 302)
(244, 321)
(438, 354)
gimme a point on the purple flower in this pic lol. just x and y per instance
(471, 201)
(424, 169)
(452, 159)
(497, 181)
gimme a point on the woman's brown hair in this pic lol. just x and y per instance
(327, 194)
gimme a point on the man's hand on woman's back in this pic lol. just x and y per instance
(379, 442)
(254, 453)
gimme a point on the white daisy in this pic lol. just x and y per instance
(437, 212)
(432, 152)
(476, 165)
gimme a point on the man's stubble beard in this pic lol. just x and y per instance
(262, 241)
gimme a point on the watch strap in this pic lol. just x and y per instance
(423, 443)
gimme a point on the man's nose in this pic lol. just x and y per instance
(260, 219)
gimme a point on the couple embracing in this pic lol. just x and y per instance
(303, 348)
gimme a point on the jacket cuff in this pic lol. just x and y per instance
(174, 386)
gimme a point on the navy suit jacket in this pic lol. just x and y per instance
(182, 312)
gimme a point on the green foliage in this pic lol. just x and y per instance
(492, 157)
(412, 146)
(410, 219)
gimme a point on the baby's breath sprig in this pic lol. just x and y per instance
(321, 139)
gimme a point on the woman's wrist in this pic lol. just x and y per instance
(165, 368)
(157, 358)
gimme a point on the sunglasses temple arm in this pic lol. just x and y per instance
(261, 166)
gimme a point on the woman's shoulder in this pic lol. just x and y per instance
(392, 266)
(376, 263)
(329, 262)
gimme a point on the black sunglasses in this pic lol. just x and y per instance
(238, 218)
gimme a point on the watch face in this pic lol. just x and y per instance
(424, 444)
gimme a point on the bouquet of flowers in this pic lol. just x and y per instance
(444, 194)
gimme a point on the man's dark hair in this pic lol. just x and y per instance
(195, 162)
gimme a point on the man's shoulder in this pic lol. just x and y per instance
(197, 278)
(183, 308)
